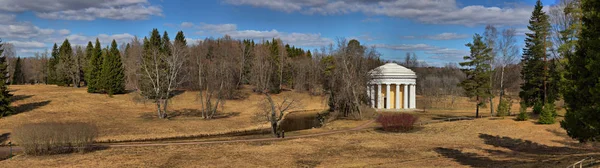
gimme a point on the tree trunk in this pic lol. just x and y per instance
(165, 106)
(477, 108)
(158, 108)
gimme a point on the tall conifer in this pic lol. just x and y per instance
(582, 89)
(5, 108)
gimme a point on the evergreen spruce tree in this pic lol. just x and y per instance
(89, 52)
(65, 53)
(5, 108)
(180, 38)
(113, 75)
(476, 68)
(94, 67)
(535, 64)
(582, 88)
(52, 63)
(18, 76)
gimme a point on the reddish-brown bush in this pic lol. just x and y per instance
(397, 122)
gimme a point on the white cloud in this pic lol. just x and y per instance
(441, 36)
(84, 10)
(447, 36)
(425, 11)
(439, 53)
(522, 31)
(64, 32)
(297, 39)
(105, 39)
(187, 24)
(219, 28)
(23, 30)
(28, 44)
(4, 18)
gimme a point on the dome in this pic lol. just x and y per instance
(393, 70)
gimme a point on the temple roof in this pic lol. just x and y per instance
(393, 70)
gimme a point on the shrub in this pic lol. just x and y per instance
(538, 107)
(397, 122)
(504, 107)
(54, 138)
(547, 115)
(523, 116)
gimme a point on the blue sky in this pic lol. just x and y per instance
(436, 30)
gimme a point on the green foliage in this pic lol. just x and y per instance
(535, 69)
(5, 108)
(476, 67)
(18, 76)
(112, 74)
(153, 46)
(53, 76)
(523, 116)
(547, 115)
(538, 107)
(504, 107)
(94, 67)
(582, 91)
(65, 52)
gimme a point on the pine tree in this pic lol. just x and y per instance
(535, 65)
(113, 75)
(52, 63)
(5, 108)
(94, 67)
(18, 76)
(477, 68)
(582, 88)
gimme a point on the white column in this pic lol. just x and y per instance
(379, 96)
(413, 96)
(397, 96)
(372, 95)
(405, 96)
(387, 96)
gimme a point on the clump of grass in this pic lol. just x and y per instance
(55, 138)
(397, 122)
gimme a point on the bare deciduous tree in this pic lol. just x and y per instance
(509, 50)
(275, 112)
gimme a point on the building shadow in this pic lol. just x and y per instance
(30, 106)
(19, 97)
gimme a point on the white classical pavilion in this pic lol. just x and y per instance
(393, 87)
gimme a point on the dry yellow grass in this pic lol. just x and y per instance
(487, 142)
(477, 143)
(120, 118)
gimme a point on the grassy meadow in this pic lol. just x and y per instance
(485, 142)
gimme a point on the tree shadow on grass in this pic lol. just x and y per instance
(474, 160)
(526, 146)
(4, 137)
(30, 106)
(19, 97)
(521, 153)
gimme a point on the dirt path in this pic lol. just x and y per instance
(243, 140)
(4, 151)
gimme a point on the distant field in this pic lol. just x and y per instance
(121, 118)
